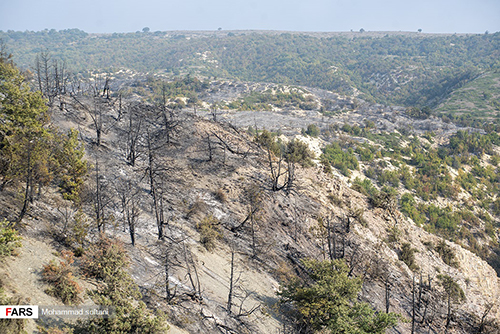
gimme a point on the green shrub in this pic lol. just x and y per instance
(393, 234)
(490, 230)
(267, 140)
(327, 168)
(495, 159)
(445, 220)
(386, 198)
(104, 258)
(340, 159)
(407, 255)
(9, 240)
(312, 130)
(364, 186)
(496, 207)
(60, 277)
(388, 177)
(11, 326)
(210, 232)
(370, 172)
(298, 152)
(365, 153)
(447, 254)
(408, 206)
(327, 301)
(107, 261)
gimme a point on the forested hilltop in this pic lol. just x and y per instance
(409, 69)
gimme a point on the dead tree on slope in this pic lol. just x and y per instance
(170, 125)
(133, 133)
(129, 193)
(254, 198)
(100, 199)
(167, 252)
(167, 261)
(96, 112)
(237, 293)
(152, 178)
(192, 274)
(485, 325)
(213, 110)
(225, 144)
(43, 74)
(156, 173)
(105, 89)
(168, 117)
(387, 292)
(98, 106)
(231, 279)
(280, 161)
(50, 75)
(332, 234)
(278, 170)
(210, 149)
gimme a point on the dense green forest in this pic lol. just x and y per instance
(398, 69)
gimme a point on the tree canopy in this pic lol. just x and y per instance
(327, 300)
(33, 153)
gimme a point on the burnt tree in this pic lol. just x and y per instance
(129, 193)
(156, 172)
(133, 133)
(100, 199)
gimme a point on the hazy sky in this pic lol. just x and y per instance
(448, 16)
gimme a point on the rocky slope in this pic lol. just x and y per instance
(209, 169)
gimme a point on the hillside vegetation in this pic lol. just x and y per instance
(403, 69)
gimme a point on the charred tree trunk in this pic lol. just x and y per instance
(133, 136)
(167, 267)
(231, 278)
(155, 191)
(28, 184)
(413, 307)
(210, 149)
(387, 294)
(254, 237)
(195, 282)
(448, 313)
(98, 201)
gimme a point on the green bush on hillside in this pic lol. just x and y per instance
(9, 239)
(327, 301)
